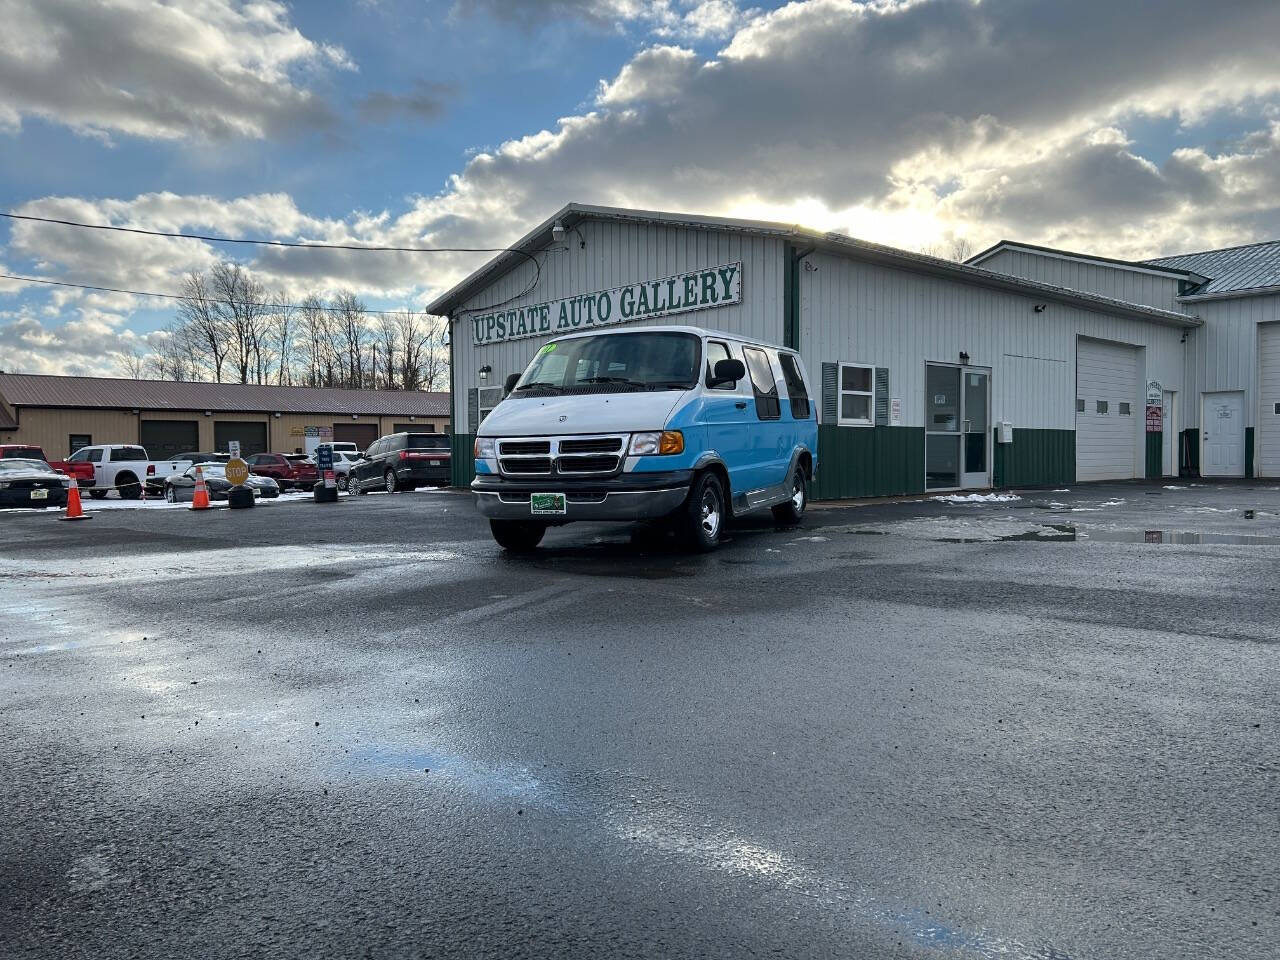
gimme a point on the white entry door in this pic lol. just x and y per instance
(1222, 434)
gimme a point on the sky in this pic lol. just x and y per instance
(1128, 130)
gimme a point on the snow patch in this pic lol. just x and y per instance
(1170, 486)
(978, 498)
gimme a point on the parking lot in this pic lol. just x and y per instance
(1041, 726)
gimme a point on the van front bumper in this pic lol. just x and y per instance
(627, 497)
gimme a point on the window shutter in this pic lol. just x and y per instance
(830, 393)
(473, 409)
(882, 396)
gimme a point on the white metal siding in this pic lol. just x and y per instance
(616, 254)
(866, 313)
(1268, 428)
(1132, 286)
(1106, 443)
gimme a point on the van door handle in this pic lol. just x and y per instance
(741, 404)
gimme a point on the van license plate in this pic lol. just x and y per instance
(541, 504)
(44, 495)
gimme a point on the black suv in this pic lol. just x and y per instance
(403, 461)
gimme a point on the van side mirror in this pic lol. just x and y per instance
(727, 371)
(511, 383)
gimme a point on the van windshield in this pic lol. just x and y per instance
(614, 362)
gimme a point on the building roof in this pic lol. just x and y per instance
(1235, 271)
(839, 243)
(43, 390)
(6, 422)
(1139, 266)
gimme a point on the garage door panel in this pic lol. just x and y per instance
(1269, 400)
(361, 434)
(1106, 431)
(252, 436)
(164, 439)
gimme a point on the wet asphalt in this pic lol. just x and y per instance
(1017, 729)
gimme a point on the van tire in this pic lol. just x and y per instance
(704, 513)
(518, 536)
(790, 512)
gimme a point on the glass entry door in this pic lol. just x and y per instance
(956, 430)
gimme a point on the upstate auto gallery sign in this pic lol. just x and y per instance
(698, 290)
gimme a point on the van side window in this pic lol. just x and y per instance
(796, 389)
(717, 351)
(764, 383)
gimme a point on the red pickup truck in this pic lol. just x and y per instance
(82, 471)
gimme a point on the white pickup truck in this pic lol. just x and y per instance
(126, 467)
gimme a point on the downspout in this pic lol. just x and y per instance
(791, 295)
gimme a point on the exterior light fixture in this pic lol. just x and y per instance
(208, 413)
(557, 231)
(134, 410)
(355, 416)
(964, 357)
(277, 416)
(1040, 307)
(486, 369)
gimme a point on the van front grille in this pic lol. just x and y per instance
(526, 465)
(561, 456)
(518, 448)
(587, 464)
(594, 445)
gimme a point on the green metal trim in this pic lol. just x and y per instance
(1036, 458)
(1155, 455)
(790, 298)
(1248, 452)
(462, 448)
(869, 462)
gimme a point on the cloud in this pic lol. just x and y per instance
(425, 102)
(680, 19)
(212, 69)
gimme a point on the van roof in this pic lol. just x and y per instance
(672, 328)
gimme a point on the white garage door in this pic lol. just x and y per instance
(1269, 394)
(1106, 407)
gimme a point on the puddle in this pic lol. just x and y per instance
(1176, 536)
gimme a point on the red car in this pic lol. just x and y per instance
(82, 470)
(287, 469)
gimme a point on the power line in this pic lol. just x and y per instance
(170, 296)
(533, 285)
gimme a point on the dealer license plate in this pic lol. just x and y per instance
(542, 504)
(435, 463)
(44, 495)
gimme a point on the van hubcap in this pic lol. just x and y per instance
(710, 514)
(797, 494)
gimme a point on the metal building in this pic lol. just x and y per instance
(1224, 421)
(934, 375)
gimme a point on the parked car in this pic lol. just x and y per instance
(126, 467)
(675, 424)
(402, 461)
(31, 483)
(204, 457)
(289, 470)
(345, 446)
(82, 471)
(343, 460)
(181, 487)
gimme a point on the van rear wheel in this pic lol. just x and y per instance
(704, 513)
(791, 511)
(519, 536)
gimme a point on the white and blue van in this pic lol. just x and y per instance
(669, 423)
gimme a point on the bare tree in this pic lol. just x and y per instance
(282, 332)
(241, 301)
(348, 314)
(201, 322)
(132, 362)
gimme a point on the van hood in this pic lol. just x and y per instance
(584, 413)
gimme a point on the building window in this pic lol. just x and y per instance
(1079, 405)
(489, 397)
(1102, 407)
(857, 395)
(78, 440)
(1124, 410)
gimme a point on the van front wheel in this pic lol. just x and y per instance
(519, 536)
(791, 511)
(704, 513)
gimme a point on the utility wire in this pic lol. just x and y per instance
(170, 296)
(275, 243)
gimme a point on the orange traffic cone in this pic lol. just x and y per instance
(74, 510)
(201, 499)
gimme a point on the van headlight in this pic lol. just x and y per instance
(650, 444)
(486, 448)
